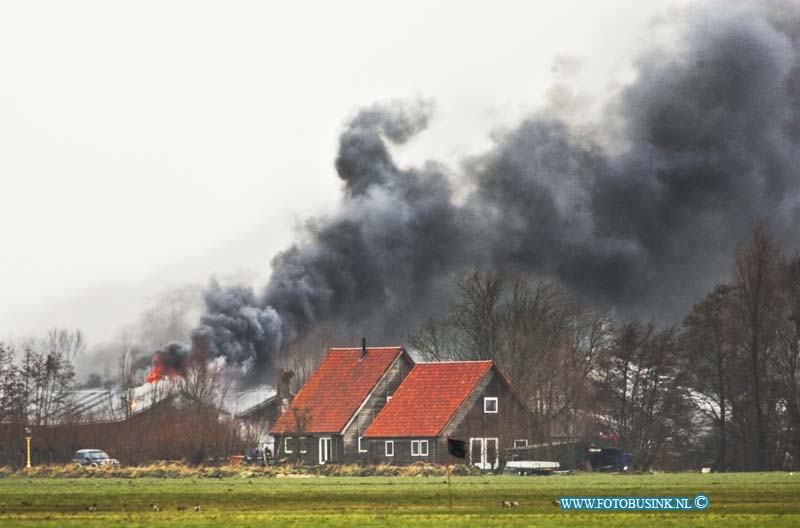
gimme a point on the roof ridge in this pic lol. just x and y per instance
(455, 361)
(368, 348)
(332, 405)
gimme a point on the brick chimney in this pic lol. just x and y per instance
(283, 387)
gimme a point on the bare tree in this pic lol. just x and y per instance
(756, 283)
(476, 314)
(434, 340)
(48, 374)
(788, 355)
(710, 357)
(12, 405)
(548, 343)
(643, 391)
(126, 377)
(302, 421)
(306, 352)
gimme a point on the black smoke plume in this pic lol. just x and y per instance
(168, 361)
(640, 217)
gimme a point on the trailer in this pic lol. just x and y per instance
(531, 467)
(566, 454)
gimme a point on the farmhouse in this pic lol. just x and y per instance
(472, 401)
(375, 405)
(327, 418)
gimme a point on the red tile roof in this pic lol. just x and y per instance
(337, 389)
(428, 398)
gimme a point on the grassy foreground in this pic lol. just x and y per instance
(754, 499)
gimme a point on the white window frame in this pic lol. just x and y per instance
(302, 442)
(521, 442)
(325, 449)
(386, 448)
(362, 449)
(287, 445)
(484, 462)
(419, 448)
(486, 400)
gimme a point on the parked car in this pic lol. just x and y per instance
(93, 458)
(256, 457)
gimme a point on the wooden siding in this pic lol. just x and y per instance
(372, 406)
(511, 422)
(311, 456)
(402, 451)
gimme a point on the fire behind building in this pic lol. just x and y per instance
(376, 405)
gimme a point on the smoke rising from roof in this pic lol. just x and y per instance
(639, 218)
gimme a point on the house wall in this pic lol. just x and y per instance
(311, 456)
(512, 421)
(373, 405)
(402, 451)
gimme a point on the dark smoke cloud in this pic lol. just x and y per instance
(641, 218)
(707, 153)
(396, 234)
(171, 359)
(239, 327)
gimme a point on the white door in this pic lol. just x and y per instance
(324, 449)
(483, 452)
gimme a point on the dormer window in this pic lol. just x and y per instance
(490, 405)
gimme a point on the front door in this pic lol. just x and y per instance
(483, 453)
(324, 449)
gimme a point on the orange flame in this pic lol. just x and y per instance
(160, 373)
(155, 374)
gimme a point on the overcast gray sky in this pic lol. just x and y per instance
(147, 145)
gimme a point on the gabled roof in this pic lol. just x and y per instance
(337, 389)
(428, 399)
(242, 403)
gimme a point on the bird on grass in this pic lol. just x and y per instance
(556, 502)
(509, 504)
(197, 507)
(92, 507)
(155, 507)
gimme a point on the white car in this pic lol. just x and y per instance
(93, 458)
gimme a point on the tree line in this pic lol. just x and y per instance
(720, 388)
(185, 417)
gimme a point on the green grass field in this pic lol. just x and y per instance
(754, 499)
